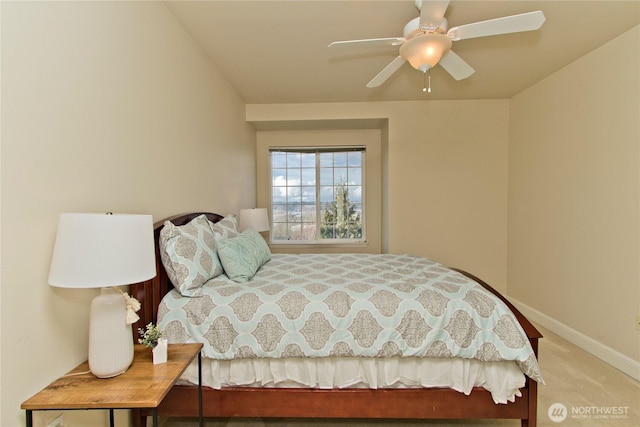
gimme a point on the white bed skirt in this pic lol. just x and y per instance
(503, 379)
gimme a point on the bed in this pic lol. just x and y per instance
(375, 392)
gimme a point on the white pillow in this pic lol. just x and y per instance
(226, 228)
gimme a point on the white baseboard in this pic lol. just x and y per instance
(596, 348)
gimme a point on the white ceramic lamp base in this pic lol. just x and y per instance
(110, 337)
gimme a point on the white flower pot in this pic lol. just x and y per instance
(160, 352)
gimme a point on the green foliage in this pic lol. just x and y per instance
(149, 336)
(340, 220)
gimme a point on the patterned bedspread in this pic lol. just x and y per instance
(362, 305)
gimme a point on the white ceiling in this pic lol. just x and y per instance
(276, 51)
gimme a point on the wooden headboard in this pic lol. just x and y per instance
(150, 292)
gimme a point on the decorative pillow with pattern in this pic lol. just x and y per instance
(242, 256)
(188, 253)
(226, 228)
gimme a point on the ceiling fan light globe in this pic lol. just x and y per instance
(424, 51)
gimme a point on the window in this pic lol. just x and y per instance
(317, 194)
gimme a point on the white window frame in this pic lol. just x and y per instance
(320, 209)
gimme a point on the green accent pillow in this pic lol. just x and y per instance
(242, 256)
(188, 253)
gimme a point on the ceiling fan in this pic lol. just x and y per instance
(427, 39)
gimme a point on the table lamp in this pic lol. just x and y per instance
(256, 218)
(105, 251)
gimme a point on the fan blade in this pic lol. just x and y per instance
(388, 41)
(456, 66)
(386, 72)
(509, 24)
(431, 13)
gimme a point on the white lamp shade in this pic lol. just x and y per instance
(424, 51)
(256, 218)
(98, 250)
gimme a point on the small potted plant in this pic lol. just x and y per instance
(151, 336)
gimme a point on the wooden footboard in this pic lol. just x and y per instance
(347, 403)
(250, 402)
(531, 387)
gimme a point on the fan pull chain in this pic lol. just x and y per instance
(424, 84)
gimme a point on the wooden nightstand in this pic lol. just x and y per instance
(142, 386)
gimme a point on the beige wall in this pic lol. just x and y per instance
(111, 106)
(106, 106)
(445, 167)
(574, 247)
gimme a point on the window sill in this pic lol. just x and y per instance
(319, 245)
